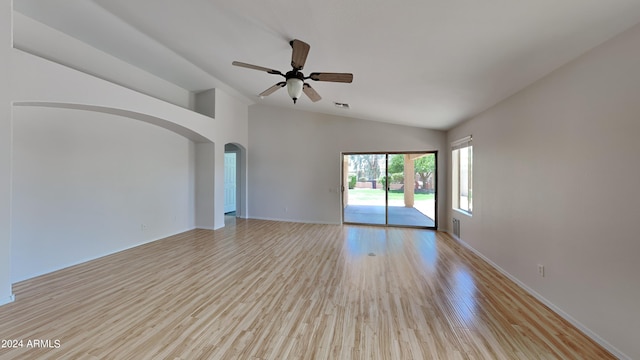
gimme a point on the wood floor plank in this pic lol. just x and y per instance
(271, 290)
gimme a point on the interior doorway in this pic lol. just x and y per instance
(234, 181)
(390, 189)
(230, 182)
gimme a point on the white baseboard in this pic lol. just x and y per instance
(204, 228)
(595, 337)
(294, 220)
(7, 300)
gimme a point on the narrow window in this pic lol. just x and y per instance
(462, 176)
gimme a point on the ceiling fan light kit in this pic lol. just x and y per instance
(294, 87)
(295, 79)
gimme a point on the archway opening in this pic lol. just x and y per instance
(234, 182)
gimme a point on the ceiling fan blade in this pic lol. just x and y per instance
(311, 93)
(272, 89)
(256, 67)
(333, 77)
(300, 52)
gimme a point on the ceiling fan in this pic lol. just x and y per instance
(294, 79)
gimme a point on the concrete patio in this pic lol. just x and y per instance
(375, 215)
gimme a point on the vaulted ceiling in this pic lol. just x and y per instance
(427, 63)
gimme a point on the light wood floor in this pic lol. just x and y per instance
(268, 290)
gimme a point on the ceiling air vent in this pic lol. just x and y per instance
(341, 105)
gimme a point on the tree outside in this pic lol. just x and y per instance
(424, 168)
(366, 166)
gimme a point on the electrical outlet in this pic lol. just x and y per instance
(143, 227)
(541, 270)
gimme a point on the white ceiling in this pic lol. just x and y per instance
(427, 63)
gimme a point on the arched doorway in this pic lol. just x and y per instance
(234, 181)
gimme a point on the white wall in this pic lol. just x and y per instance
(44, 41)
(295, 160)
(5, 152)
(44, 90)
(35, 80)
(205, 186)
(556, 183)
(231, 116)
(86, 183)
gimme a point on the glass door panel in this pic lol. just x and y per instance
(411, 188)
(365, 200)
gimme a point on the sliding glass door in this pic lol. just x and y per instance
(396, 189)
